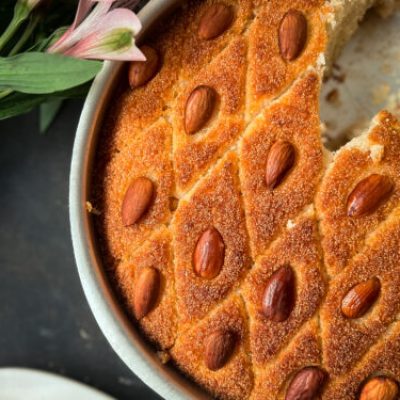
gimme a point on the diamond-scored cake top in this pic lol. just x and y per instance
(264, 266)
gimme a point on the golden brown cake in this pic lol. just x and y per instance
(264, 265)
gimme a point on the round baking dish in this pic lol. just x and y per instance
(124, 339)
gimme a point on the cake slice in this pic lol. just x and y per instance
(210, 242)
(376, 154)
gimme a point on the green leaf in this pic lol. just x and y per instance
(43, 73)
(21, 103)
(48, 112)
(77, 92)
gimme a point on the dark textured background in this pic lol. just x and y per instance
(45, 321)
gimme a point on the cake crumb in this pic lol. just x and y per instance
(91, 209)
(321, 62)
(376, 152)
(310, 211)
(290, 224)
(163, 356)
(333, 96)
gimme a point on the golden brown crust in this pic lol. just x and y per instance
(345, 341)
(216, 178)
(197, 52)
(160, 324)
(344, 236)
(298, 248)
(214, 203)
(194, 154)
(294, 119)
(303, 351)
(130, 162)
(382, 359)
(269, 75)
(137, 109)
(235, 379)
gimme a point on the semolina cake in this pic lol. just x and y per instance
(264, 265)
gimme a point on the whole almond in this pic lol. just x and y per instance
(199, 107)
(280, 160)
(147, 290)
(279, 295)
(368, 195)
(141, 72)
(306, 384)
(380, 388)
(137, 200)
(218, 348)
(209, 254)
(292, 34)
(215, 21)
(360, 298)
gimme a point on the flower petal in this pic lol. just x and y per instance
(112, 40)
(82, 50)
(83, 8)
(88, 25)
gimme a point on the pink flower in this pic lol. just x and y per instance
(102, 31)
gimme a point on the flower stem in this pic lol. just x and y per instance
(25, 36)
(21, 12)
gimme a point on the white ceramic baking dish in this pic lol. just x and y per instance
(125, 340)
